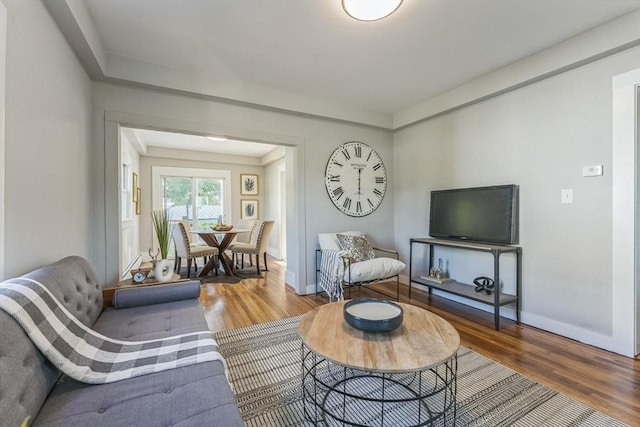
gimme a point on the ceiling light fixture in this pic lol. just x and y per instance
(370, 10)
(217, 138)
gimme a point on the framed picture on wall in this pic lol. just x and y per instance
(249, 209)
(248, 185)
(134, 186)
(138, 201)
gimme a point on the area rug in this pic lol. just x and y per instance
(265, 371)
(238, 275)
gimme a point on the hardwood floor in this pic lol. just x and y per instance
(605, 381)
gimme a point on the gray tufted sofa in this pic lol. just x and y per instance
(195, 395)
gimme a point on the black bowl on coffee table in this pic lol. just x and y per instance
(373, 315)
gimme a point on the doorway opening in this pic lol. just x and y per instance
(197, 180)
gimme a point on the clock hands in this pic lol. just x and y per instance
(341, 181)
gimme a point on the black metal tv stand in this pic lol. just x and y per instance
(497, 299)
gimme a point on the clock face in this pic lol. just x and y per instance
(139, 277)
(356, 179)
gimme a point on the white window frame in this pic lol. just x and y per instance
(158, 172)
(127, 205)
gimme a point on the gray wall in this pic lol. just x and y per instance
(538, 137)
(48, 143)
(318, 139)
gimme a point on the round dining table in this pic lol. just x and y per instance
(210, 237)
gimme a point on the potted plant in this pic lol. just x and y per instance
(163, 270)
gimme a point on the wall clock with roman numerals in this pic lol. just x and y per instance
(356, 179)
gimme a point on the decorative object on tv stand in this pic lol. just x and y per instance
(162, 269)
(248, 185)
(437, 274)
(355, 178)
(484, 284)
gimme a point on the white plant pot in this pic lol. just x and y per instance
(164, 270)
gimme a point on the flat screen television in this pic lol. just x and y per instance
(480, 214)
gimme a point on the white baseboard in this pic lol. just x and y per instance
(274, 252)
(573, 332)
(577, 333)
(290, 279)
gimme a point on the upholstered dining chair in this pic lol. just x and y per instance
(192, 243)
(258, 247)
(247, 224)
(186, 250)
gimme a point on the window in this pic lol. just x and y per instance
(201, 196)
(127, 196)
(199, 200)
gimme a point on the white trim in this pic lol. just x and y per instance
(570, 331)
(294, 157)
(624, 227)
(126, 191)
(310, 289)
(3, 76)
(282, 200)
(582, 335)
(135, 120)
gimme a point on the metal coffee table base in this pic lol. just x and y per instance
(337, 395)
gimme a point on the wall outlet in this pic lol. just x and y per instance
(566, 196)
(594, 170)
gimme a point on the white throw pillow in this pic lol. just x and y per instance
(330, 240)
(357, 246)
(372, 269)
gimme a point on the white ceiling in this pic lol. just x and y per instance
(309, 57)
(154, 138)
(312, 48)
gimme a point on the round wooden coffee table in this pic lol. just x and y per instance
(405, 377)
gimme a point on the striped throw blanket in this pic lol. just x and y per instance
(331, 273)
(84, 354)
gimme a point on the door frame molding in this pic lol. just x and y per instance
(625, 252)
(296, 272)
